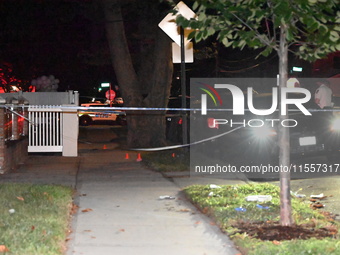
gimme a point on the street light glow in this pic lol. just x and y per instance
(297, 69)
(105, 84)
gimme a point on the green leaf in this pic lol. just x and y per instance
(204, 34)
(185, 22)
(314, 27)
(229, 35)
(312, 2)
(195, 5)
(241, 44)
(322, 19)
(199, 36)
(334, 36)
(202, 17)
(302, 48)
(267, 51)
(192, 35)
(227, 43)
(323, 29)
(180, 20)
(289, 35)
(282, 21)
(211, 31)
(310, 21)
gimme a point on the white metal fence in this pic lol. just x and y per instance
(45, 129)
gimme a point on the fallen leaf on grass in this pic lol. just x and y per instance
(74, 209)
(20, 198)
(317, 205)
(332, 229)
(87, 210)
(3, 248)
(333, 232)
(327, 214)
(205, 210)
(184, 210)
(276, 242)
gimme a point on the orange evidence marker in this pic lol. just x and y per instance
(139, 158)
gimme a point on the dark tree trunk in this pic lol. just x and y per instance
(151, 125)
(150, 87)
(120, 54)
(146, 129)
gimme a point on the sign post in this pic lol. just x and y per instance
(184, 90)
(180, 36)
(110, 94)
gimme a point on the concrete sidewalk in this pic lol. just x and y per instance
(127, 216)
(120, 210)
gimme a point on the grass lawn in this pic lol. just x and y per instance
(167, 161)
(254, 226)
(245, 222)
(34, 219)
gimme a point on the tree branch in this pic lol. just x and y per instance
(258, 35)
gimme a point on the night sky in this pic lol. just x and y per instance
(61, 38)
(67, 39)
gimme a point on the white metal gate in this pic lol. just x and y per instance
(45, 129)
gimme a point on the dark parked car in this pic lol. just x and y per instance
(102, 115)
(318, 134)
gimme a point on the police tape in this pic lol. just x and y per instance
(122, 108)
(107, 109)
(188, 144)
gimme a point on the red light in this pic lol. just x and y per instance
(211, 123)
(180, 121)
(32, 88)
